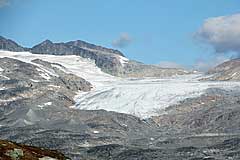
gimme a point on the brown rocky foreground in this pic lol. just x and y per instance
(14, 151)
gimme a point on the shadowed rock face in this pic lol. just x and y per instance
(89, 46)
(13, 151)
(107, 59)
(227, 71)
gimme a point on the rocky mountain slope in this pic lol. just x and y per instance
(35, 109)
(13, 151)
(229, 70)
(109, 60)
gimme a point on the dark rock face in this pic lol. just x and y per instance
(106, 59)
(9, 45)
(89, 46)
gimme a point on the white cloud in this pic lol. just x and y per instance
(205, 65)
(123, 40)
(222, 33)
(168, 64)
(4, 3)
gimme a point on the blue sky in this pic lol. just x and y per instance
(155, 30)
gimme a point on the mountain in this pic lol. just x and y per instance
(227, 71)
(106, 59)
(110, 61)
(89, 46)
(9, 45)
(67, 103)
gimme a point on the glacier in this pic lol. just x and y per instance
(143, 98)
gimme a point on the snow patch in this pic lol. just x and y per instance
(27, 122)
(48, 103)
(3, 88)
(96, 132)
(45, 104)
(124, 125)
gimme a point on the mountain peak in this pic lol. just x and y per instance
(47, 41)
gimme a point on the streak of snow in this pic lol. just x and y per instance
(9, 100)
(234, 74)
(54, 86)
(123, 60)
(33, 80)
(27, 122)
(45, 73)
(45, 76)
(1, 70)
(59, 67)
(5, 77)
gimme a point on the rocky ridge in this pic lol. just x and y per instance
(227, 71)
(110, 61)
